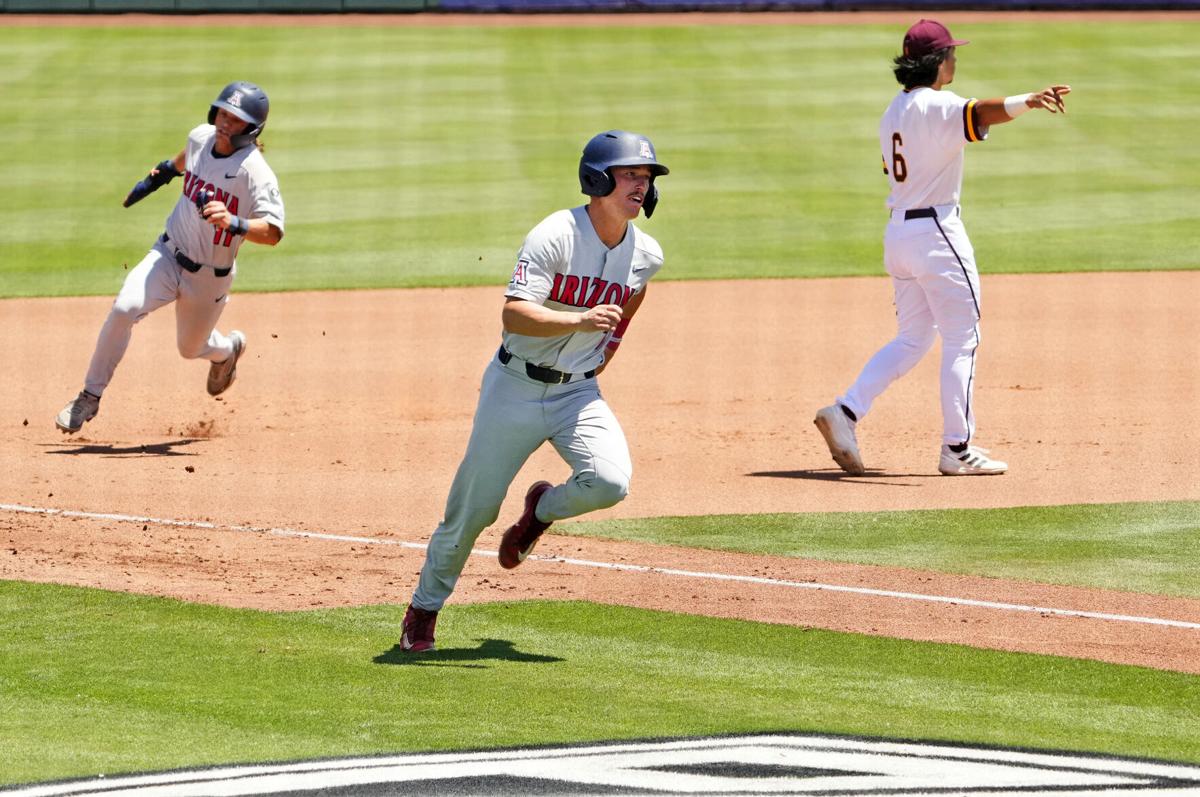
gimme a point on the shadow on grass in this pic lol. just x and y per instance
(165, 449)
(488, 650)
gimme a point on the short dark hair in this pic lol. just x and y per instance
(921, 71)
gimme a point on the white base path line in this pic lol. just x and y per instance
(666, 571)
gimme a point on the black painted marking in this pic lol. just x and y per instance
(741, 769)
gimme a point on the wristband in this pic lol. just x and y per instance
(152, 182)
(1017, 104)
(239, 226)
(167, 167)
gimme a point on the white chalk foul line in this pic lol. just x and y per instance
(666, 571)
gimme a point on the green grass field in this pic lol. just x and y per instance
(100, 682)
(1151, 547)
(422, 156)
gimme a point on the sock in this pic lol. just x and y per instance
(958, 449)
(849, 414)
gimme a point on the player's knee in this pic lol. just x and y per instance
(190, 350)
(917, 342)
(606, 486)
(468, 522)
(961, 339)
(126, 313)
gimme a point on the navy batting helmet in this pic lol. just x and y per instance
(618, 148)
(247, 102)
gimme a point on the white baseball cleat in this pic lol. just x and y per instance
(838, 430)
(222, 374)
(78, 411)
(972, 462)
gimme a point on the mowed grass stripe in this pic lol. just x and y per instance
(422, 156)
(1140, 547)
(101, 682)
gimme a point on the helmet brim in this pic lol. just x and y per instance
(656, 168)
(236, 111)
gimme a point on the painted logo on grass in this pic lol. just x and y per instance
(743, 765)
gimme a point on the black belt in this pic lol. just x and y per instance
(191, 266)
(547, 375)
(920, 213)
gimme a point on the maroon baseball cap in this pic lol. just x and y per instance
(928, 36)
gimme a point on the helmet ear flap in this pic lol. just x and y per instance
(651, 200)
(595, 182)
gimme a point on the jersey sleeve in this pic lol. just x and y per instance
(647, 259)
(972, 130)
(540, 258)
(196, 140)
(958, 119)
(265, 200)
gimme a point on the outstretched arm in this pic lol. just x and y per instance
(1004, 109)
(160, 175)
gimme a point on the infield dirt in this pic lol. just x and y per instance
(352, 410)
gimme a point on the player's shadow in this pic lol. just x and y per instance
(488, 650)
(164, 449)
(839, 475)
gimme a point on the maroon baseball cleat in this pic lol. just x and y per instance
(418, 630)
(518, 541)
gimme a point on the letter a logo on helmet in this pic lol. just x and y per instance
(618, 148)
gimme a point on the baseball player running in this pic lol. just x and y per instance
(229, 195)
(580, 278)
(925, 247)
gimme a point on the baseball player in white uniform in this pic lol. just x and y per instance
(229, 195)
(926, 251)
(579, 279)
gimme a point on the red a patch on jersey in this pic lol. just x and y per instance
(521, 273)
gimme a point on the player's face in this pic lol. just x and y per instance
(633, 183)
(227, 126)
(946, 69)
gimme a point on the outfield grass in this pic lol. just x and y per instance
(1142, 547)
(422, 156)
(99, 682)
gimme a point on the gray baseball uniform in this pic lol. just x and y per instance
(248, 187)
(565, 266)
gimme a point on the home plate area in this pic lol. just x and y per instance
(773, 764)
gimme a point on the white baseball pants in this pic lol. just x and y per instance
(936, 285)
(515, 416)
(155, 282)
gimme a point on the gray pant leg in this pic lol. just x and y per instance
(587, 435)
(508, 428)
(151, 284)
(202, 299)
